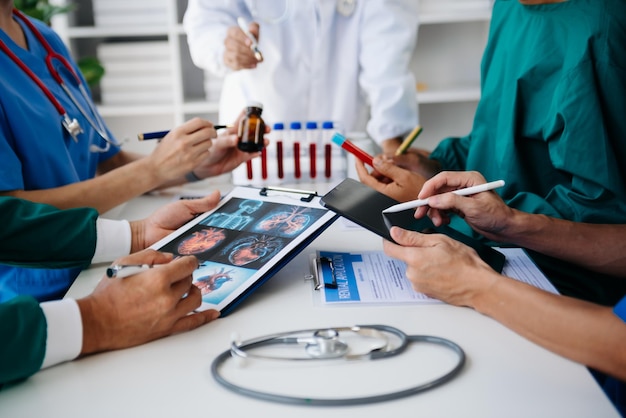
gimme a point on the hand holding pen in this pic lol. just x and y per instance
(241, 50)
(486, 213)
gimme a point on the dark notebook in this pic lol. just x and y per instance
(363, 205)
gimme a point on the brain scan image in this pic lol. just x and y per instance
(201, 241)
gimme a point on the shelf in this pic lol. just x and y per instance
(135, 110)
(449, 94)
(191, 107)
(200, 107)
(114, 31)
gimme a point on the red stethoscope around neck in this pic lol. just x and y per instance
(71, 125)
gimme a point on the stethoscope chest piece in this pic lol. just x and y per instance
(326, 345)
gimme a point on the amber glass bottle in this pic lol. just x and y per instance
(252, 129)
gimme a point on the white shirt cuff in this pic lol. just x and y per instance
(113, 240)
(64, 338)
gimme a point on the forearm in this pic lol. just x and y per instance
(103, 192)
(600, 248)
(586, 333)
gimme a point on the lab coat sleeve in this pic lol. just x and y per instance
(206, 23)
(387, 39)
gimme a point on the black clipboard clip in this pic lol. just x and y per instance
(322, 273)
(309, 194)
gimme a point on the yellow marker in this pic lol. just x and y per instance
(409, 140)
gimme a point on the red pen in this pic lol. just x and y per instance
(340, 140)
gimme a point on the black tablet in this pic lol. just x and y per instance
(245, 240)
(363, 205)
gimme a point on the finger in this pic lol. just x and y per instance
(388, 168)
(195, 320)
(196, 206)
(147, 256)
(180, 268)
(450, 180)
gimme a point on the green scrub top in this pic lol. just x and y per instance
(42, 236)
(551, 120)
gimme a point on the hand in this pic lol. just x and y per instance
(181, 150)
(167, 219)
(389, 146)
(140, 308)
(389, 179)
(441, 267)
(237, 53)
(418, 161)
(485, 212)
(224, 155)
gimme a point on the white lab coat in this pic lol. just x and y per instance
(318, 64)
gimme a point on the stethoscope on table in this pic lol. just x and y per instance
(327, 344)
(71, 125)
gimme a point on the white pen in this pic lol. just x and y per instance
(414, 204)
(254, 47)
(120, 271)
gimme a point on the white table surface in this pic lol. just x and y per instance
(505, 375)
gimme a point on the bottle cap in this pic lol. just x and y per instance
(278, 126)
(253, 103)
(295, 125)
(311, 125)
(327, 125)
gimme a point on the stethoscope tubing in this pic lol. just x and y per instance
(294, 400)
(51, 55)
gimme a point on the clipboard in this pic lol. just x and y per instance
(363, 205)
(246, 239)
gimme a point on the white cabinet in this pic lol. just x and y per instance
(124, 41)
(446, 63)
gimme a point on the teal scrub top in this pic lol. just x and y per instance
(551, 120)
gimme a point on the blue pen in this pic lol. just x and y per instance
(161, 134)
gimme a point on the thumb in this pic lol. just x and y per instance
(387, 168)
(205, 204)
(409, 238)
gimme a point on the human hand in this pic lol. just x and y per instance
(441, 267)
(389, 146)
(237, 53)
(182, 149)
(418, 161)
(131, 311)
(167, 219)
(485, 212)
(224, 155)
(391, 180)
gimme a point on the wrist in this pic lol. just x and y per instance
(90, 327)
(191, 177)
(137, 236)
